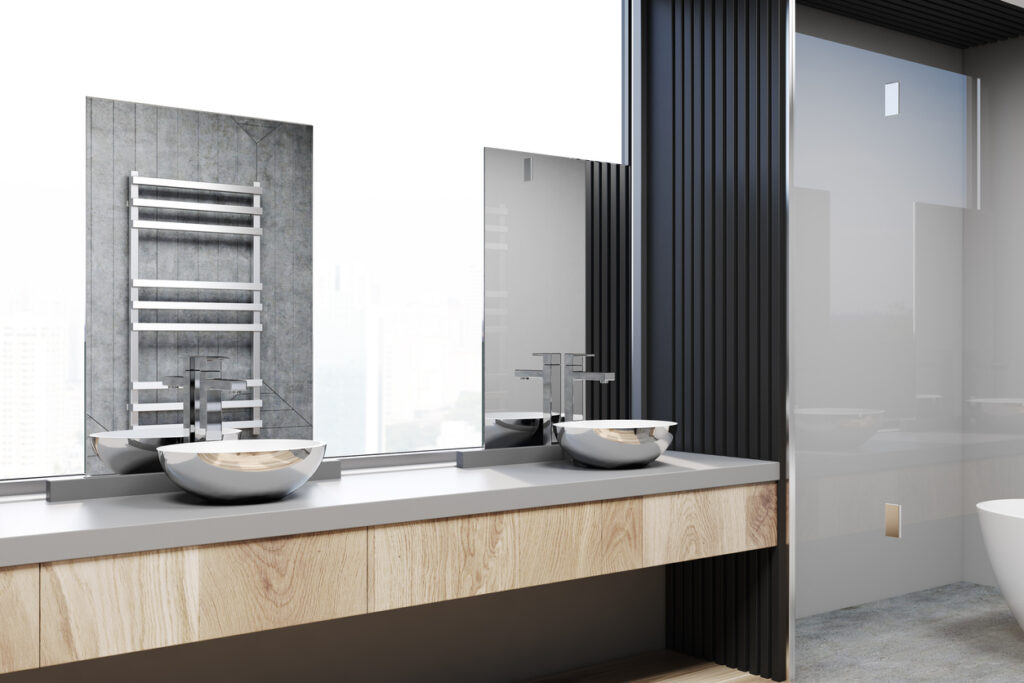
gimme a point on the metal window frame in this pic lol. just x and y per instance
(632, 144)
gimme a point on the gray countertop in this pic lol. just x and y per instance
(35, 530)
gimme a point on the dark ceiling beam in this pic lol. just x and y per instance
(958, 23)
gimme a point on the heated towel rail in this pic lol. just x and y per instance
(136, 284)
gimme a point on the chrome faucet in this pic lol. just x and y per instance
(575, 372)
(203, 407)
(552, 363)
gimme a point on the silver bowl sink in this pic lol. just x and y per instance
(999, 415)
(133, 451)
(614, 443)
(246, 470)
(835, 429)
(510, 429)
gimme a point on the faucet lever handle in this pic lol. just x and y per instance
(550, 358)
(573, 359)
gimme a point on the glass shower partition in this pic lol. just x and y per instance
(907, 346)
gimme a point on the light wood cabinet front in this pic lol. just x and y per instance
(423, 562)
(443, 559)
(577, 541)
(276, 582)
(110, 605)
(79, 609)
(19, 618)
(679, 527)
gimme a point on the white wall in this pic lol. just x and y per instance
(403, 96)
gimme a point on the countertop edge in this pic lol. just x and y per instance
(261, 523)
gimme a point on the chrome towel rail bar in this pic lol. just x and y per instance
(195, 185)
(252, 213)
(194, 206)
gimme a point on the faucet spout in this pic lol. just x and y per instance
(575, 371)
(602, 377)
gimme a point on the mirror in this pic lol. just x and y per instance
(199, 228)
(397, 179)
(556, 294)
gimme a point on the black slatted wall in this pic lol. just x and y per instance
(608, 288)
(715, 219)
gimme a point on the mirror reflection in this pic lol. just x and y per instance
(556, 295)
(199, 281)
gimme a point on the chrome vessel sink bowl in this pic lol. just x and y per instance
(133, 451)
(509, 429)
(998, 415)
(614, 443)
(246, 470)
(835, 429)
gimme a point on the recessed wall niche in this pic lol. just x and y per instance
(182, 144)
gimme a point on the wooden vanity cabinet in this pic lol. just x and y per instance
(19, 618)
(72, 610)
(692, 525)
(101, 606)
(276, 582)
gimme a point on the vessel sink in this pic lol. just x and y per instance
(614, 443)
(999, 415)
(246, 470)
(509, 429)
(133, 451)
(835, 429)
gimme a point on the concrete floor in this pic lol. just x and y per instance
(959, 632)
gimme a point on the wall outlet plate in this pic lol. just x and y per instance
(893, 520)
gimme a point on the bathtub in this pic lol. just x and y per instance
(1002, 527)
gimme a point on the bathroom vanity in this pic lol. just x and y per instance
(136, 571)
(115, 575)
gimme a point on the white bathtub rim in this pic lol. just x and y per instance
(1004, 507)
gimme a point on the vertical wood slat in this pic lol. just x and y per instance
(608, 288)
(713, 113)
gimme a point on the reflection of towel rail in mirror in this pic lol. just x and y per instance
(196, 227)
(158, 385)
(251, 211)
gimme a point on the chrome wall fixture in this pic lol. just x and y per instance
(548, 375)
(201, 387)
(571, 367)
(575, 371)
(137, 285)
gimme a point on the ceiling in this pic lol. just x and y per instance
(959, 23)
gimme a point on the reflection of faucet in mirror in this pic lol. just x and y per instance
(203, 408)
(575, 372)
(551, 364)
